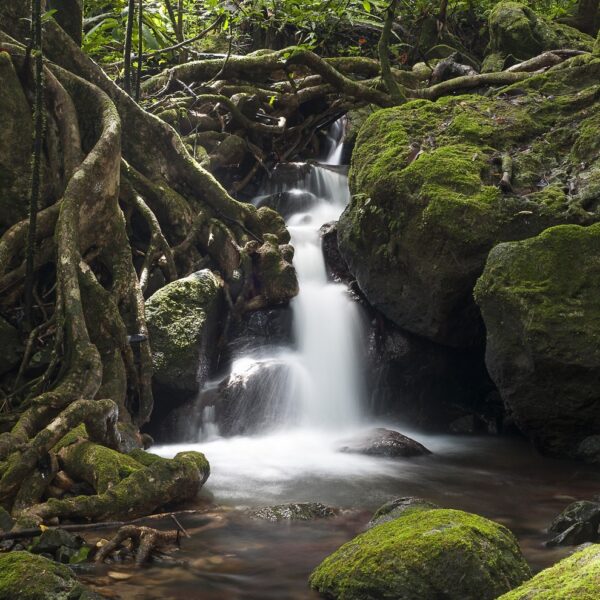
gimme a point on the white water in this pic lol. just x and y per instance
(315, 392)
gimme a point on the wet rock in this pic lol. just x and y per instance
(10, 348)
(287, 174)
(397, 507)
(539, 300)
(254, 397)
(304, 511)
(336, 266)
(25, 576)
(289, 202)
(182, 319)
(428, 385)
(434, 553)
(576, 577)
(426, 208)
(577, 524)
(589, 449)
(261, 328)
(384, 442)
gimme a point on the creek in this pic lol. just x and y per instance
(312, 401)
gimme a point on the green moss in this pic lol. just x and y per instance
(515, 29)
(425, 554)
(99, 466)
(576, 577)
(75, 435)
(24, 576)
(181, 317)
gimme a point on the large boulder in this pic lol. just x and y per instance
(426, 206)
(539, 299)
(434, 553)
(25, 576)
(518, 32)
(182, 319)
(575, 525)
(574, 578)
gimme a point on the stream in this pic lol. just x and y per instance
(314, 400)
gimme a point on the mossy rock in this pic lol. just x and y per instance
(539, 300)
(435, 553)
(574, 578)
(25, 576)
(182, 323)
(518, 32)
(15, 149)
(418, 229)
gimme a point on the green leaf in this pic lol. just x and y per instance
(367, 6)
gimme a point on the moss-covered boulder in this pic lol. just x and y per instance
(539, 299)
(574, 578)
(517, 33)
(182, 324)
(426, 206)
(25, 576)
(16, 126)
(435, 553)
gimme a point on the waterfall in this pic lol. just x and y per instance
(317, 383)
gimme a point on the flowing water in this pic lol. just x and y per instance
(314, 399)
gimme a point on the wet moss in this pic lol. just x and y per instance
(25, 576)
(425, 554)
(575, 577)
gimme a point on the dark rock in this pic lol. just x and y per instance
(425, 384)
(384, 442)
(260, 329)
(287, 174)
(304, 511)
(289, 202)
(6, 521)
(337, 269)
(398, 506)
(589, 449)
(578, 523)
(539, 300)
(53, 540)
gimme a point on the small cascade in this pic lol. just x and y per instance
(317, 383)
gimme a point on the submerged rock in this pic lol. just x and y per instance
(304, 511)
(397, 507)
(574, 578)
(577, 524)
(182, 319)
(384, 442)
(539, 300)
(426, 207)
(422, 554)
(25, 576)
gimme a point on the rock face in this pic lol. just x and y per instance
(539, 300)
(384, 442)
(336, 266)
(575, 577)
(182, 319)
(577, 524)
(24, 576)
(426, 206)
(517, 31)
(422, 554)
